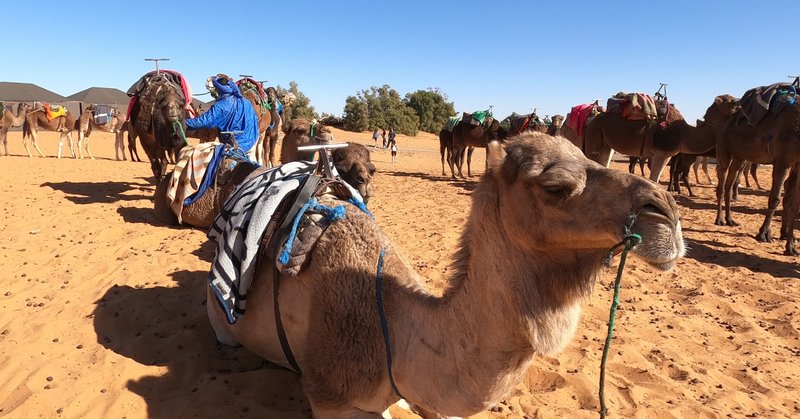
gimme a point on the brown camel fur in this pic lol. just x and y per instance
(445, 146)
(37, 119)
(467, 136)
(250, 91)
(775, 140)
(296, 133)
(158, 119)
(10, 120)
(527, 259)
(115, 125)
(353, 164)
(202, 212)
(610, 132)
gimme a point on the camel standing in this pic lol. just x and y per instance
(528, 256)
(774, 140)
(158, 119)
(252, 91)
(115, 124)
(610, 132)
(445, 146)
(466, 137)
(10, 120)
(37, 119)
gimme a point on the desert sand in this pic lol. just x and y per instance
(102, 308)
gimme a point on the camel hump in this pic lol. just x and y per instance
(774, 98)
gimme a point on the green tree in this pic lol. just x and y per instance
(379, 107)
(432, 108)
(300, 106)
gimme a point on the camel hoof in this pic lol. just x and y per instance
(732, 223)
(719, 222)
(790, 252)
(764, 237)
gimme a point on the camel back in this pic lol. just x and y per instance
(758, 101)
(478, 117)
(633, 106)
(451, 123)
(253, 91)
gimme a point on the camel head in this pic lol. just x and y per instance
(355, 167)
(721, 110)
(552, 199)
(166, 105)
(300, 132)
(665, 108)
(495, 131)
(557, 120)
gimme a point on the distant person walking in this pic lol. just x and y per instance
(375, 137)
(391, 136)
(383, 135)
(394, 152)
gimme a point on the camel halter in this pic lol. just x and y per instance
(628, 242)
(384, 325)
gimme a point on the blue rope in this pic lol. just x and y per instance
(331, 214)
(384, 324)
(361, 205)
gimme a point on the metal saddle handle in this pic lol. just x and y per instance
(324, 158)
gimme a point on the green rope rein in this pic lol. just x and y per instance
(180, 129)
(629, 241)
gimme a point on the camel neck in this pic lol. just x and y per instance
(507, 305)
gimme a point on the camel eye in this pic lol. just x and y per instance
(360, 180)
(554, 189)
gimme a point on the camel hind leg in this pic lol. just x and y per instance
(779, 173)
(659, 160)
(34, 137)
(119, 146)
(86, 146)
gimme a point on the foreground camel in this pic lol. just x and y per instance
(527, 259)
(300, 132)
(115, 125)
(9, 120)
(774, 140)
(353, 164)
(466, 137)
(37, 119)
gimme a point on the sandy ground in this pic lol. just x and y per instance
(102, 308)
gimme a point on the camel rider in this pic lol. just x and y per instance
(230, 112)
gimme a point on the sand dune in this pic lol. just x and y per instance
(102, 308)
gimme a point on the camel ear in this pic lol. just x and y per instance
(495, 156)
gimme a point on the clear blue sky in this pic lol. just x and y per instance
(512, 55)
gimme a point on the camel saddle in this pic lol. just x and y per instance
(54, 111)
(451, 123)
(774, 98)
(477, 117)
(103, 113)
(633, 106)
(246, 84)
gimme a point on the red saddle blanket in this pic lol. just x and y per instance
(576, 120)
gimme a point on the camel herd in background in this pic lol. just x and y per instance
(724, 133)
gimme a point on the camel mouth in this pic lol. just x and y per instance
(662, 240)
(656, 212)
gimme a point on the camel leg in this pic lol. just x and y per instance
(722, 169)
(659, 160)
(705, 169)
(746, 172)
(34, 136)
(81, 140)
(730, 183)
(86, 145)
(469, 161)
(685, 178)
(71, 144)
(779, 173)
(695, 168)
(605, 157)
(451, 162)
(4, 135)
(754, 173)
(791, 202)
(119, 146)
(442, 153)
(632, 164)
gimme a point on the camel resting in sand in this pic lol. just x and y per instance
(300, 132)
(353, 164)
(527, 258)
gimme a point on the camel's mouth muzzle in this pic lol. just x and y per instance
(662, 240)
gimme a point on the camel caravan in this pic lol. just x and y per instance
(303, 273)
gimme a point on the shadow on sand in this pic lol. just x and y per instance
(706, 251)
(102, 192)
(465, 184)
(166, 326)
